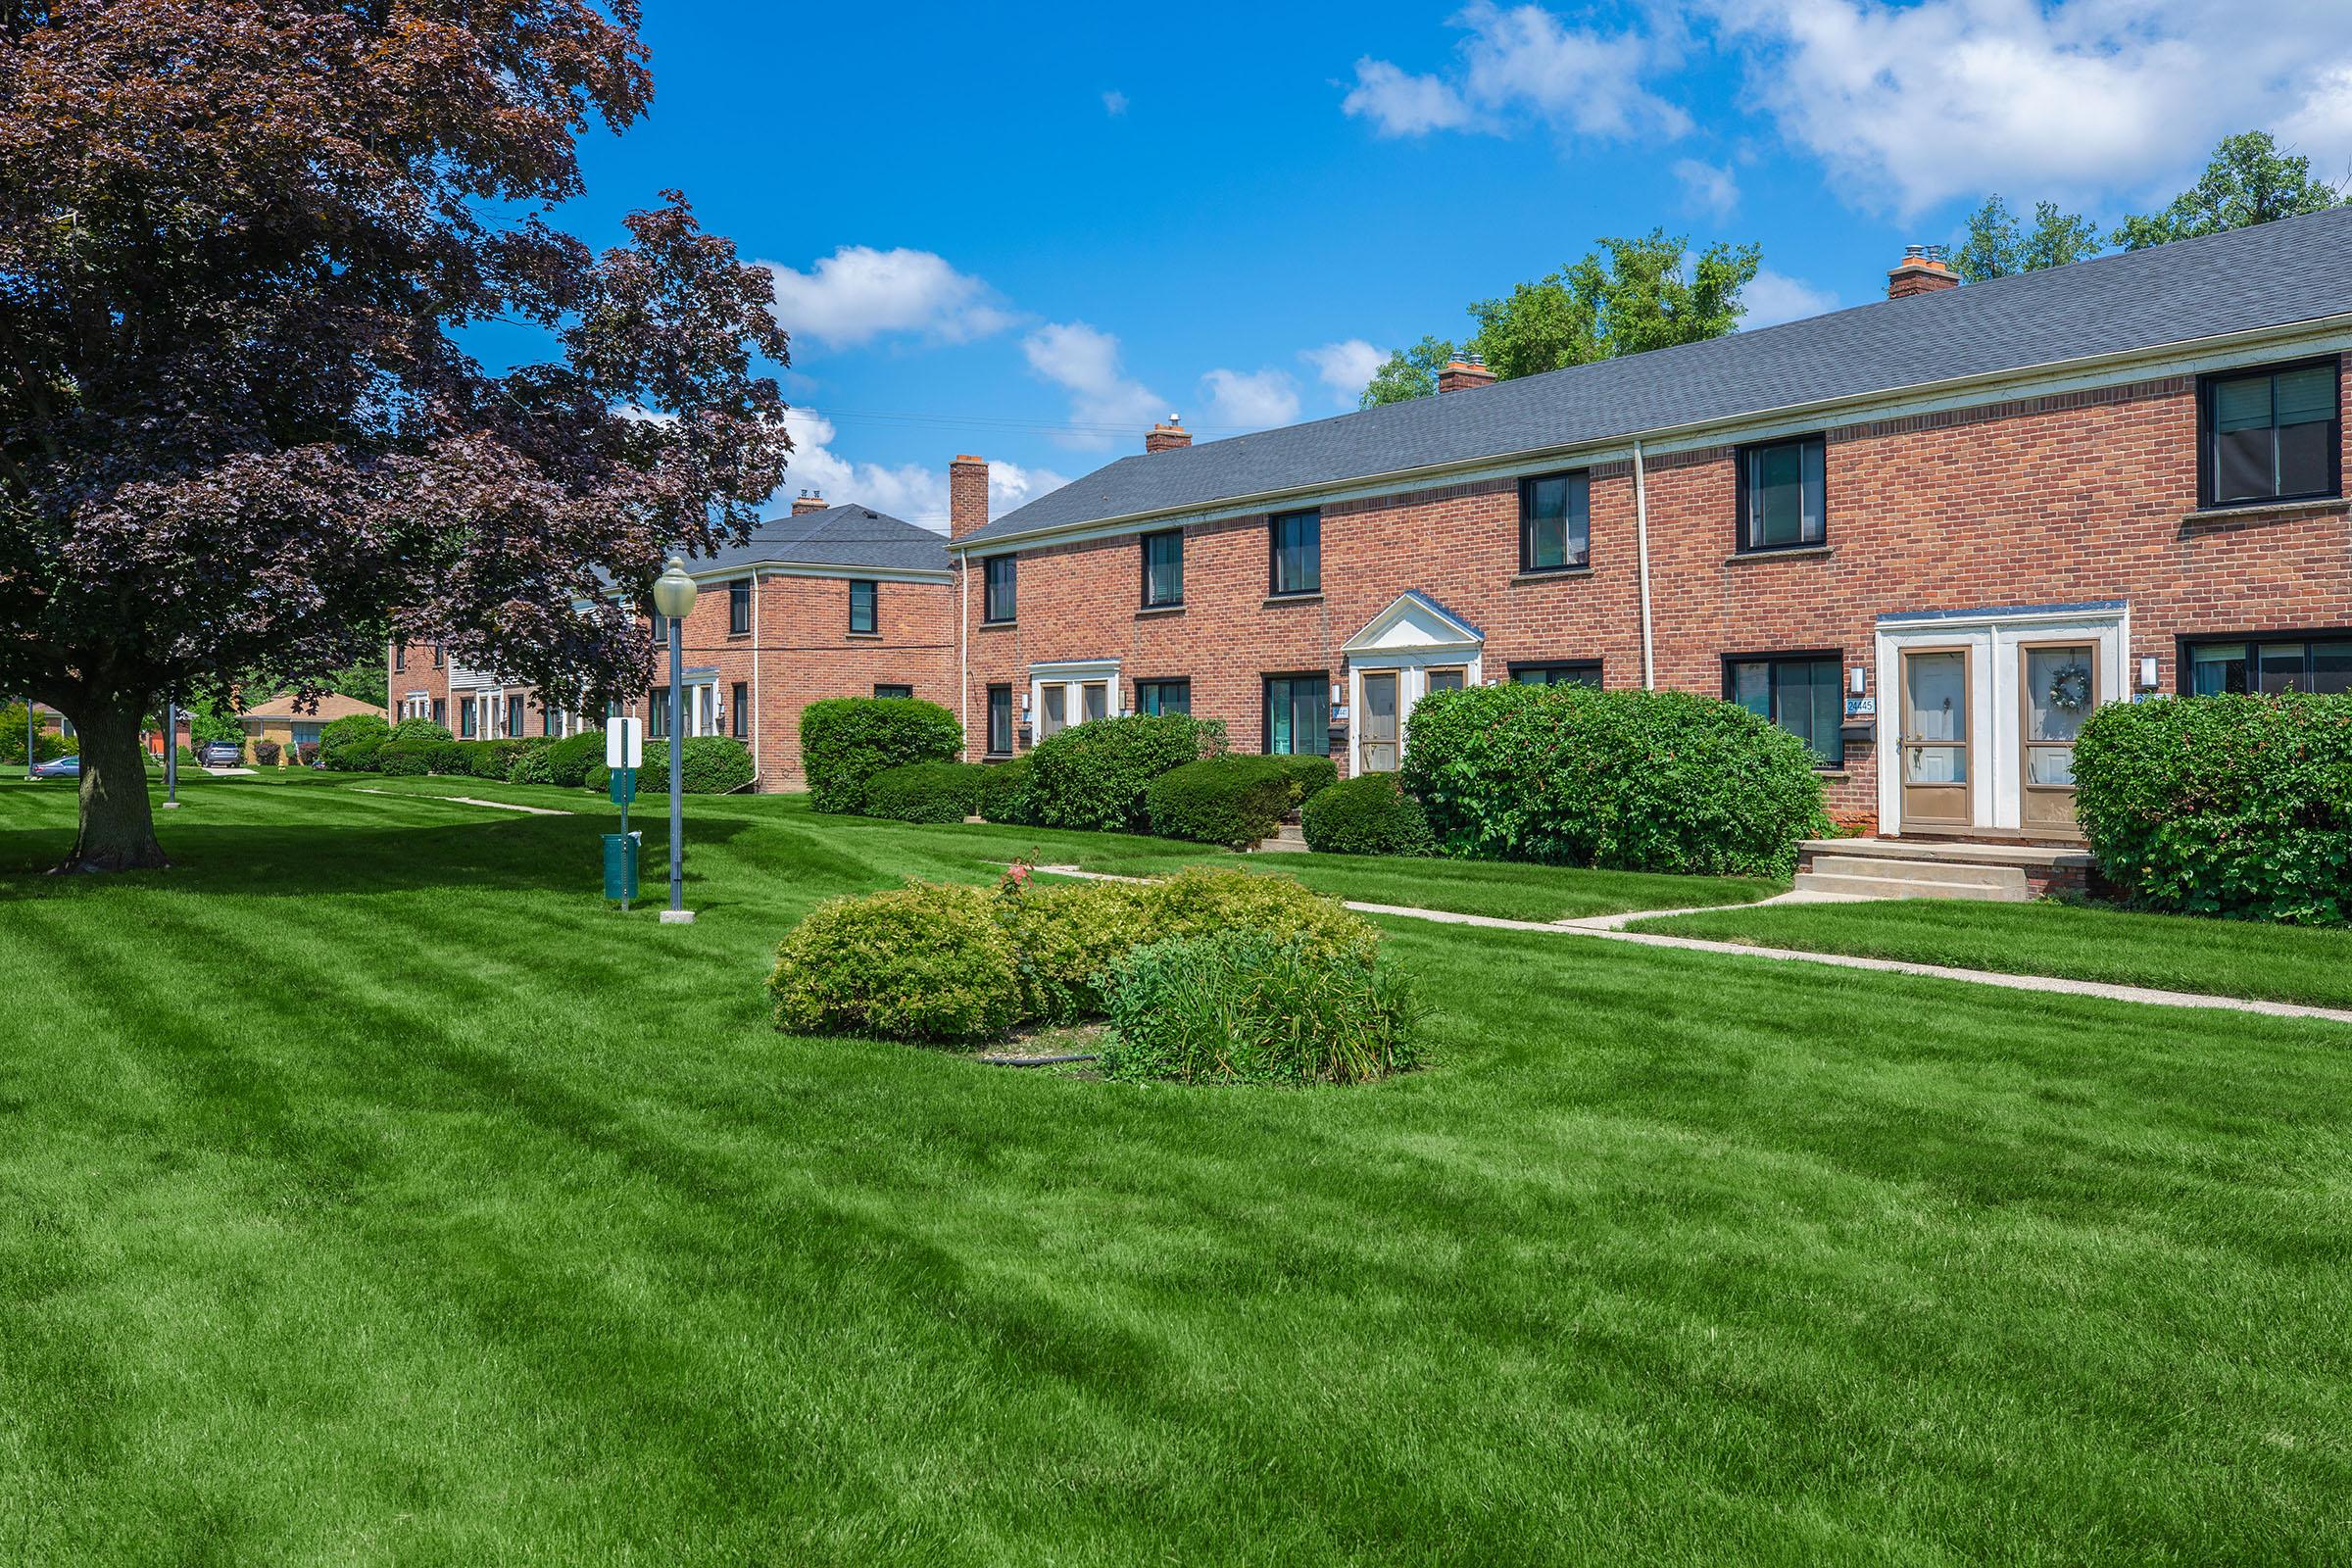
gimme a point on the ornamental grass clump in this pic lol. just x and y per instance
(1239, 1007)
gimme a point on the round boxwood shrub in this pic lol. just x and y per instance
(349, 745)
(1308, 775)
(924, 962)
(420, 729)
(1094, 775)
(569, 759)
(1630, 780)
(1238, 1007)
(927, 792)
(709, 764)
(845, 740)
(1005, 793)
(1233, 801)
(2231, 806)
(1367, 816)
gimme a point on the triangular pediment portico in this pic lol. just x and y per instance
(1415, 623)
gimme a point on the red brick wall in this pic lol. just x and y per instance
(2073, 497)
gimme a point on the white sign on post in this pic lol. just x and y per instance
(624, 743)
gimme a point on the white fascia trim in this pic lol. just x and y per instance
(1075, 670)
(771, 568)
(2195, 355)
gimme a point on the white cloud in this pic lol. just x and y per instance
(913, 492)
(1525, 63)
(1774, 297)
(1919, 104)
(1250, 400)
(1114, 103)
(1707, 187)
(1103, 402)
(1344, 368)
(858, 293)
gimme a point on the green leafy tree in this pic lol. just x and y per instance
(13, 720)
(1408, 373)
(1636, 297)
(1996, 247)
(364, 682)
(2249, 181)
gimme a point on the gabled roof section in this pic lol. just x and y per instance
(331, 706)
(852, 537)
(1413, 622)
(2277, 275)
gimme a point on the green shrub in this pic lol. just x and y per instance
(1094, 775)
(50, 744)
(490, 758)
(2231, 806)
(1242, 1008)
(569, 759)
(1233, 801)
(927, 792)
(709, 764)
(530, 766)
(1005, 793)
(845, 740)
(598, 778)
(1065, 937)
(924, 962)
(1309, 775)
(265, 753)
(349, 745)
(407, 758)
(420, 729)
(1202, 901)
(1367, 816)
(1630, 780)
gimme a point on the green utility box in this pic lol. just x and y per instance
(623, 785)
(621, 866)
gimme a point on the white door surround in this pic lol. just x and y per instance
(1994, 640)
(1070, 678)
(1412, 637)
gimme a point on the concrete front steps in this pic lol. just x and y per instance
(1930, 868)
(1289, 839)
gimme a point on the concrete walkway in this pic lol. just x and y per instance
(463, 799)
(1607, 927)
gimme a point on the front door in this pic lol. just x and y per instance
(2058, 686)
(1935, 738)
(1377, 738)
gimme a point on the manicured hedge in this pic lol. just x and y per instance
(1005, 793)
(1094, 775)
(567, 761)
(927, 792)
(2230, 806)
(1233, 801)
(420, 729)
(489, 758)
(349, 745)
(711, 764)
(1309, 775)
(1367, 816)
(1633, 780)
(845, 740)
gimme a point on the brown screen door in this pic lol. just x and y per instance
(2059, 686)
(1935, 738)
(1377, 748)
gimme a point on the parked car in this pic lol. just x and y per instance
(58, 767)
(221, 754)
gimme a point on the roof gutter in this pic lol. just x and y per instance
(1665, 435)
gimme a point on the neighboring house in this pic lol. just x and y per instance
(283, 719)
(831, 601)
(1927, 534)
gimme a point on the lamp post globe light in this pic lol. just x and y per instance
(674, 600)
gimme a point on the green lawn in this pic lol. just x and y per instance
(2080, 942)
(371, 1193)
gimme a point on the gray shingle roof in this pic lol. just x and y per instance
(2275, 274)
(848, 536)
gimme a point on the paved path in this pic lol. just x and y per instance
(463, 800)
(1606, 927)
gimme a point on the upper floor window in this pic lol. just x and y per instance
(1781, 494)
(1555, 530)
(438, 652)
(1801, 694)
(739, 606)
(1163, 568)
(863, 614)
(1296, 543)
(661, 627)
(400, 656)
(2272, 435)
(997, 601)
(1571, 672)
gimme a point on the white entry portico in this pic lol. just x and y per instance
(1410, 649)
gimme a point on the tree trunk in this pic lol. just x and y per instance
(118, 825)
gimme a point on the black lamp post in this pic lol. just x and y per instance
(673, 598)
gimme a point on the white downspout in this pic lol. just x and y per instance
(1649, 663)
(759, 758)
(964, 653)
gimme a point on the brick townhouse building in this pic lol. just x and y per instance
(829, 600)
(1927, 534)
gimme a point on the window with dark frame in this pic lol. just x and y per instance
(465, 719)
(1783, 494)
(441, 712)
(863, 614)
(997, 599)
(739, 709)
(1556, 529)
(658, 624)
(547, 721)
(1298, 723)
(2271, 435)
(1155, 696)
(514, 719)
(400, 656)
(438, 651)
(1802, 693)
(739, 607)
(2279, 663)
(656, 715)
(884, 690)
(1295, 548)
(1163, 568)
(999, 721)
(1558, 672)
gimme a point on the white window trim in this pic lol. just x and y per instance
(1072, 675)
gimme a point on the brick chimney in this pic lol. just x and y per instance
(967, 495)
(1167, 435)
(1464, 371)
(807, 501)
(1924, 271)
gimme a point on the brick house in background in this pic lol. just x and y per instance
(1926, 534)
(830, 600)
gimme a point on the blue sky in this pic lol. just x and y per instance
(1027, 232)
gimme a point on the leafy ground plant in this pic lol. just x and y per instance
(1236, 1007)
